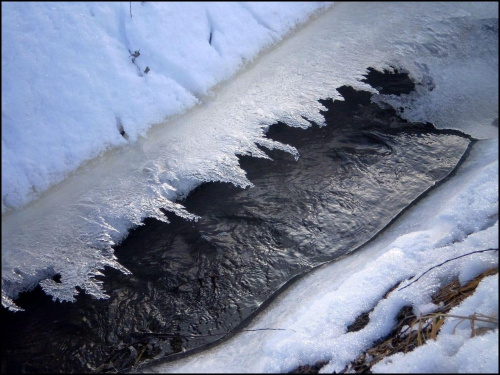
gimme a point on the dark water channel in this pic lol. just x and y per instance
(193, 282)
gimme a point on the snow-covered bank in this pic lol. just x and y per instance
(71, 82)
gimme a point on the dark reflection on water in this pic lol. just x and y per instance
(195, 280)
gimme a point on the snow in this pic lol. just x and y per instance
(67, 74)
(72, 185)
(455, 351)
(101, 200)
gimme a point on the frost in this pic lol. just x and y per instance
(50, 129)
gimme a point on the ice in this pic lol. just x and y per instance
(472, 78)
(68, 73)
(61, 144)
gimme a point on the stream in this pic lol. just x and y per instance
(193, 282)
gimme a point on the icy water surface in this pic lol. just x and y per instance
(193, 282)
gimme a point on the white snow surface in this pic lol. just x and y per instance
(72, 186)
(68, 76)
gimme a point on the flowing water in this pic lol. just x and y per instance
(193, 282)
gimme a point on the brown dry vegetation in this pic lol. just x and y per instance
(412, 331)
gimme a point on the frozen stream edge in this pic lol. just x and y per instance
(310, 317)
(99, 204)
(306, 323)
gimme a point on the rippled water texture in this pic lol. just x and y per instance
(194, 281)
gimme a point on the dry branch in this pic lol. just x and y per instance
(446, 261)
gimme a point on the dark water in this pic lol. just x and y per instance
(193, 282)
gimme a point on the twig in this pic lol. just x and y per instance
(209, 335)
(446, 261)
(266, 329)
(130, 9)
(488, 319)
(140, 355)
(419, 332)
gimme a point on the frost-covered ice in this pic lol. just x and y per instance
(69, 87)
(449, 49)
(68, 78)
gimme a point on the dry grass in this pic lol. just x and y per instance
(412, 331)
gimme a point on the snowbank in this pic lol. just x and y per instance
(71, 83)
(455, 350)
